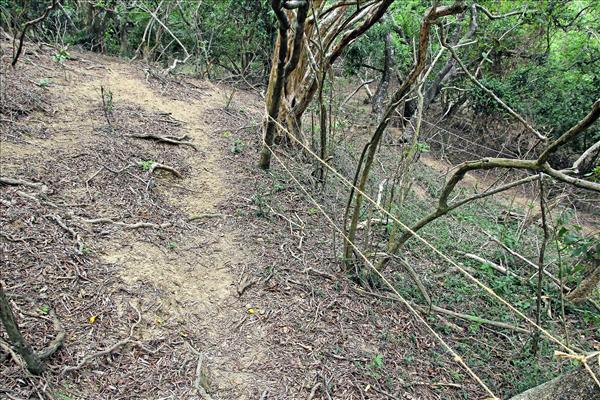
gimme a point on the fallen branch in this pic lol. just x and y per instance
(108, 350)
(493, 265)
(440, 310)
(164, 139)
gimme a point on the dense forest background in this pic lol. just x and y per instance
(543, 63)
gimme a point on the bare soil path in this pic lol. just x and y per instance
(183, 279)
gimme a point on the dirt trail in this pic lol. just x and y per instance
(196, 286)
(197, 281)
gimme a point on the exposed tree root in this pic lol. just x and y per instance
(137, 225)
(208, 215)
(85, 360)
(7, 348)
(156, 166)
(183, 140)
(200, 382)
(4, 180)
(76, 236)
(58, 341)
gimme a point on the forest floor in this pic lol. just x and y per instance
(180, 268)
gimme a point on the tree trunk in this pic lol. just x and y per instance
(575, 385)
(34, 363)
(273, 98)
(382, 89)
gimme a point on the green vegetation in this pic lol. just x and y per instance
(145, 165)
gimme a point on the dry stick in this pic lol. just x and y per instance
(29, 24)
(455, 355)
(573, 131)
(538, 302)
(108, 350)
(493, 265)
(165, 139)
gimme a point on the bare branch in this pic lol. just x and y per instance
(592, 150)
(28, 25)
(488, 91)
